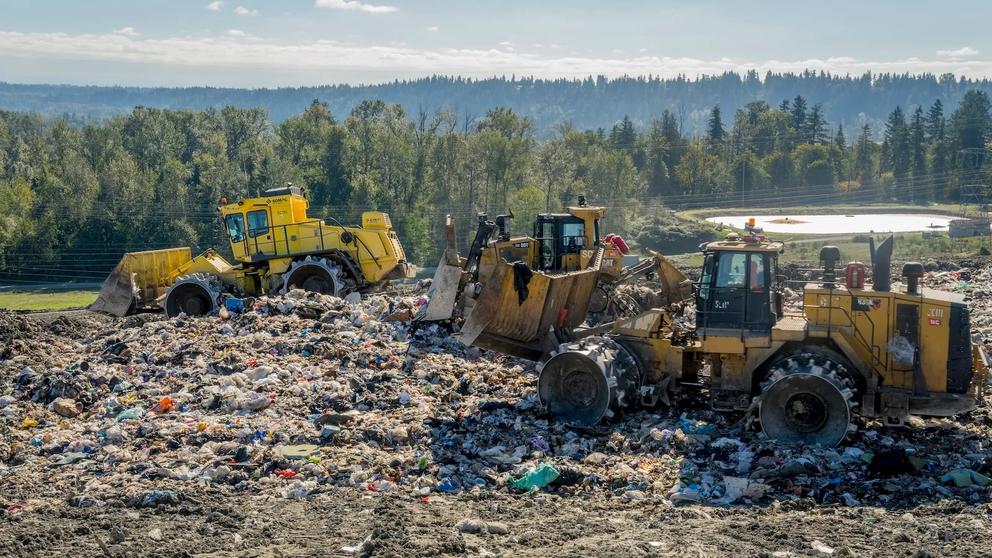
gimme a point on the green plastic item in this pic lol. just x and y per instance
(537, 477)
(965, 477)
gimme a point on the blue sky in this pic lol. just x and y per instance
(270, 43)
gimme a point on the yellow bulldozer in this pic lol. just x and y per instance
(849, 347)
(553, 279)
(277, 247)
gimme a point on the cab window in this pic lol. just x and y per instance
(574, 233)
(707, 277)
(731, 270)
(258, 222)
(236, 227)
(758, 276)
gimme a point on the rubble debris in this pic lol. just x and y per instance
(295, 395)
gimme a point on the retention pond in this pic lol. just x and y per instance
(840, 224)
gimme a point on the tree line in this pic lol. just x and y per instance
(73, 197)
(589, 103)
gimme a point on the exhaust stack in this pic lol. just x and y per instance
(881, 264)
(829, 256)
(913, 272)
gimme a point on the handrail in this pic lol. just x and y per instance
(250, 237)
(873, 349)
(359, 241)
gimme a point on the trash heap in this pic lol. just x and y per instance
(297, 395)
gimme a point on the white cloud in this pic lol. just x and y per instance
(128, 31)
(963, 52)
(506, 44)
(215, 6)
(243, 11)
(433, 28)
(255, 61)
(355, 5)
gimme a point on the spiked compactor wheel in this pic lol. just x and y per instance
(318, 275)
(583, 382)
(193, 295)
(807, 399)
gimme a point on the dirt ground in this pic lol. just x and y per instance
(222, 521)
(349, 523)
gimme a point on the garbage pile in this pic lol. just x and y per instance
(297, 395)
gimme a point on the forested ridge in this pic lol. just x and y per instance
(590, 103)
(74, 196)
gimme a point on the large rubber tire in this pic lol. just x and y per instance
(318, 275)
(807, 399)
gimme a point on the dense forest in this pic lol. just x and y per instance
(74, 196)
(589, 103)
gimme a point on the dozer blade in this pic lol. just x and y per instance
(446, 284)
(118, 294)
(138, 280)
(676, 287)
(444, 289)
(518, 319)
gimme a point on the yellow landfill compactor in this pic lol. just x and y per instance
(277, 247)
(551, 281)
(850, 347)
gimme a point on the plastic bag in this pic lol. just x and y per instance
(537, 477)
(902, 351)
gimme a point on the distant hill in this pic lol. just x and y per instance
(587, 103)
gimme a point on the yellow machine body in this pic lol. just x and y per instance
(267, 235)
(277, 227)
(514, 291)
(875, 350)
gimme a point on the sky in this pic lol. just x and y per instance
(270, 43)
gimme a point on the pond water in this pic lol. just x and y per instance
(840, 224)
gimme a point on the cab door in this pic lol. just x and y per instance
(545, 233)
(261, 240)
(726, 301)
(758, 315)
(235, 225)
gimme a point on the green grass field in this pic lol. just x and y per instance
(46, 300)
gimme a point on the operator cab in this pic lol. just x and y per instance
(257, 227)
(561, 237)
(738, 289)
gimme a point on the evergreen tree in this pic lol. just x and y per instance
(897, 138)
(816, 126)
(864, 169)
(937, 141)
(799, 116)
(972, 121)
(839, 140)
(715, 132)
(656, 148)
(917, 142)
(935, 122)
(623, 135)
(672, 134)
(884, 158)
